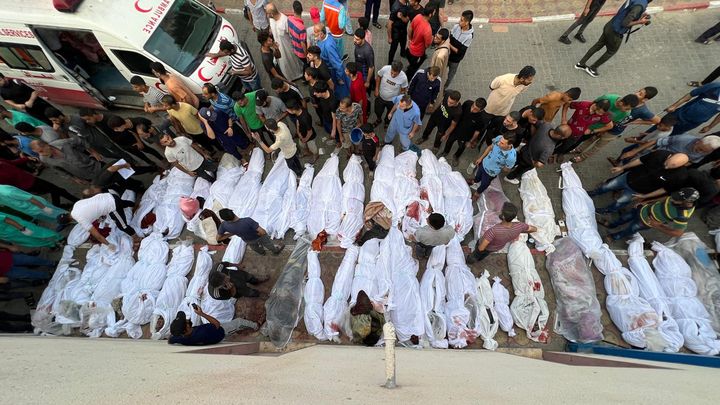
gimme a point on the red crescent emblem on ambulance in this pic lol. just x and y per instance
(203, 78)
(140, 9)
(228, 26)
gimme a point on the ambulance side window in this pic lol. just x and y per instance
(134, 62)
(24, 57)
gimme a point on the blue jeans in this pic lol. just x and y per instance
(618, 183)
(21, 267)
(631, 217)
(254, 85)
(482, 177)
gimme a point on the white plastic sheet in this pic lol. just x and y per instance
(150, 199)
(489, 206)
(366, 272)
(410, 209)
(314, 296)
(244, 196)
(222, 188)
(302, 202)
(704, 273)
(235, 250)
(168, 217)
(384, 178)
(432, 297)
(325, 206)
(691, 316)
(637, 320)
(487, 319)
(501, 295)
(529, 308)
(458, 204)
(577, 310)
(353, 202)
(431, 187)
(173, 290)
(651, 290)
(276, 200)
(336, 311)
(538, 211)
(404, 306)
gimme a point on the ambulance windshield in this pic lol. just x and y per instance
(184, 36)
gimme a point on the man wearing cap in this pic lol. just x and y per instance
(221, 126)
(284, 142)
(185, 334)
(670, 216)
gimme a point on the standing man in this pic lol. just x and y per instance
(499, 157)
(505, 88)
(217, 99)
(640, 114)
(95, 135)
(326, 105)
(298, 33)
(256, 15)
(269, 107)
(246, 112)
(631, 14)
(390, 82)
(304, 129)
(696, 108)
(335, 16)
(439, 18)
(445, 119)
(317, 69)
(461, 37)
(330, 54)
(241, 64)
(405, 121)
(152, 97)
(364, 58)
(22, 98)
(224, 128)
(471, 125)
(440, 59)
(174, 85)
(289, 64)
(270, 53)
(287, 92)
(419, 39)
(185, 121)
(425, 88)
(397, 34)
(187, 156)
(374, 7)
(592, 8)
(536, 153)
(284, 142)
(358, 93)
(620, 108)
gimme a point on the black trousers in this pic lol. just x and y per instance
(207, 170)
(712, 76)
(374, 7)
(569, 144)
(524, 163)
(295, 165)
(610, 40)
(119, 215)
(582, 22)
(45, 187)
(711, 32)
(380, 107)
(396, 43)
(241, 278)
(455, 137)
(414, 63)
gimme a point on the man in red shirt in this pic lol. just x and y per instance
(358, 93)
(419, 39)
(11, 175)
(588, 119)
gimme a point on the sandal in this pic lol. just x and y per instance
(577, 159)
(694, 84)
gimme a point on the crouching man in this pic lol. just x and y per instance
(185, 334)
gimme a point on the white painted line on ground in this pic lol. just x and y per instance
(655, 10)
(714, 4)
(559, 17)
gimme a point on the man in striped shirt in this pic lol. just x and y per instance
(298, 33)
(501, 234)
(241, 63)
(152, 97)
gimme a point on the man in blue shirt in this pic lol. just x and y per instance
(218, 100)
(631, 14)
(405, 121)
(185, 334)
(696, 108)
(330, 54)
(219, 125)
(499, 157)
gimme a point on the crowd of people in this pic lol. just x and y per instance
(358, 105)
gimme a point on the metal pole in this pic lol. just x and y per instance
(389, 334)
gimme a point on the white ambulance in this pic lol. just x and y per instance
(84, 52)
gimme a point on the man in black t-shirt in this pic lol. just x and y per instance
(397, 28)
(22, 98)
(304, 129)
(472, 123)
(529, 117)
(286, 92)
(445, 119)
(125, 135)
(656, 170)
(502, 125)
(438, 19)
(326, 105)
(96, 135)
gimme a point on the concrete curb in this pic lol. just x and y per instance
(538, 19)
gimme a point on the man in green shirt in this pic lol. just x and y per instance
(13, 117)
(620, 108)
(669, 215)
(248, 118)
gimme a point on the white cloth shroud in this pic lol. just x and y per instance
(470, 307)
(302, 202)
(489, 205)
(314, 296)
(432, 296)
(577, 309)
(276, 201)
(244, 197)
(336, 311)
(173, 290)
(325, 206)
(142, 286)
(149, 200)
(196, 287)
(168, 217)
(529, 308)
(353, 202)
(501, 295)
(651, 290)
(538, 211)
(704, 273)
(681, 291)
(410, 211)
(226, 180)
(431, 187)
(637, 320)
(458, 204)
(366, 272)
(404, 308)
(383, 181)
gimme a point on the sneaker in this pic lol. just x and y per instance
(580, 38)
(512, 181)
(592, 72)
(565, 40)
(580, 66)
